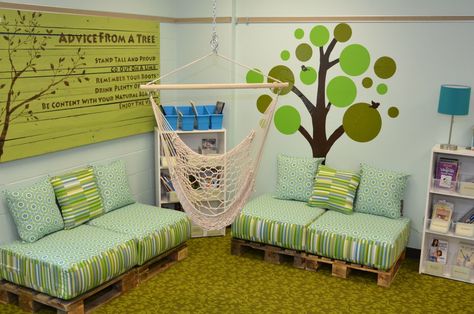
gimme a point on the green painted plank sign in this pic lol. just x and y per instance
(69, 80)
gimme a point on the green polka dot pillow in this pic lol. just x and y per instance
(334, 189)
(78, 197)
(296, 177)
(113, 185)
(34, 210)
(380, 192)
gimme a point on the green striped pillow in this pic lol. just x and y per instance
(334, 189)
(78, 197)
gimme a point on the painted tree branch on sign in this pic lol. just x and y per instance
(26, 42)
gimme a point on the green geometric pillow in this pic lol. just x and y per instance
(34, 210)
(334, 189)
(113, 185)
(295, 177)
(380, 192)
(78, 197)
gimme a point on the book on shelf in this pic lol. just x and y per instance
(208, 146)
(441, 217)
(447, 172)
(167, 184)
(438, 252)
(465, 256)
(468, 218)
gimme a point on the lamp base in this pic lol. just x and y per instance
(449, 146)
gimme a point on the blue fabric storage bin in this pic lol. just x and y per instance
(187, 118)
(171, 116)
(216, 119)
(203, 119)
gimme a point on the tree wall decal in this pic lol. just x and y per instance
(26, 43)
(362, 121)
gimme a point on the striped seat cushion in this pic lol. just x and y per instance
(68, 263)
(277, 222)
(359, 238)
(334, 189)
(78, 197)
(155, 229)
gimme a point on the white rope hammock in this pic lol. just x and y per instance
(213, 189)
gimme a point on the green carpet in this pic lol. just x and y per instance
(211, 280)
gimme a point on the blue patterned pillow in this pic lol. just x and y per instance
(112, 180)
(380, 192)
(296, 177)
(34, 210)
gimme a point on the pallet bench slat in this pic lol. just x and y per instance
(312, 262)
(32, 301)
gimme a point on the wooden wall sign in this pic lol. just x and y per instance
(69, 80)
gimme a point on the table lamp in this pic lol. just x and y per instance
(453, 100)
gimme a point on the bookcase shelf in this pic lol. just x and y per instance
(430, 264)
(193, 139)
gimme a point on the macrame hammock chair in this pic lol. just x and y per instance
(213, 189)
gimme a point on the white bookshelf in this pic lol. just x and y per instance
(462, 204)
(193, 139)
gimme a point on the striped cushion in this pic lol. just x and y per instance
(156, 230)
(86, 257)
(273, 221)
(78, 197)
(334, 189)
(359, 238)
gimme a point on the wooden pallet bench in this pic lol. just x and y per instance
(272, 254)
(32, 301)
(342, 269)
(303, 260)
(161, 262)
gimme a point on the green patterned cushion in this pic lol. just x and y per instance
(334, 189)
(154, 229)
(78, 197)
(68, 263)
(113, 185)
(296, 177)
(380, 192)
(277, 222)
(34, 210)
(365, 239)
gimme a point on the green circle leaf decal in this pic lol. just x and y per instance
(341, 91)
(354, 59)
(304, 52)
(285, 55)
(362, 122)
(382, 89)
(385, 67)
(263, 102)
(342, 32)
(308, 76)
(393, 112)
(319, 36)
(287, 119)
(367, 82)
(254, 76)
(284, 74)
(299, 33)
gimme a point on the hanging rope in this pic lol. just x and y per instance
(214, 38)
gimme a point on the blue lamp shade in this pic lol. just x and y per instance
(454, 100)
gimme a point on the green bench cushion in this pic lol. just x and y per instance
(274, 221)
(359, 238)
(155, 229)
(68, 263)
